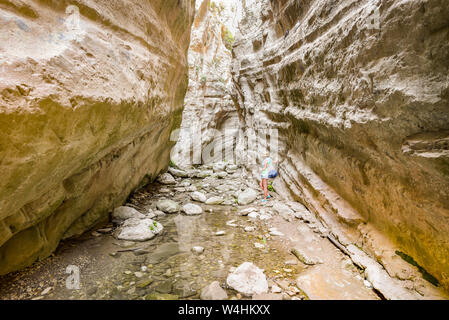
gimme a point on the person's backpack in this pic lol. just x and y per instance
(272, 174)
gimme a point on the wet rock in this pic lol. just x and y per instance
(159, 213)
(248, 279)
(163, 252)
(163, 296)
(178, 173)
(140, 252)
(166, 179)
(164, 287)
(246, 197)
(138, 230)
(184, 290)
(144, 283)
(214, 201)
(213, 292)
(123, 213)
(168, 206)
(192, 209)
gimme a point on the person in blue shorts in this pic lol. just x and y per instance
(268, 172)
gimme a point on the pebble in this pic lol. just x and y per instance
(198, 250)
(138, 274)
(250, 229)
(220, 233)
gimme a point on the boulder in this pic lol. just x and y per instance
(123, 213)
(192, 209)
(246, 197)
(166, 179)
(213, 292)
(248, 279)
(138, 230)
(168, 206)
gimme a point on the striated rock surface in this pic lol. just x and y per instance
(88, 97)
(210, 122)
(358, 93)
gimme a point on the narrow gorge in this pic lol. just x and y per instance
(133, 136)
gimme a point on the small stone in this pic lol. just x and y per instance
(259, 245)
(46, 291)
(144, 269)
(220, 233)
(250, 229)
(178, 173)
(198, 250)
(144, 283)
(128, 272)
(138, 274)
(247, 211)
(105, 230)
(140, 252)
(253, 215)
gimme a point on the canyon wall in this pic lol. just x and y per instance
(210, 121)
(89, 94)
(358, 92)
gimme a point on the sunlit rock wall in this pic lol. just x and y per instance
(89, 93)
(210, 122)
(358, 91)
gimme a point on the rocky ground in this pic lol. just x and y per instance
(200, 234)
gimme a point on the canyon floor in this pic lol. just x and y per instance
(193, 251)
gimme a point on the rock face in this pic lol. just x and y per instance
(88, 98)
(358, 94)
(210, 120)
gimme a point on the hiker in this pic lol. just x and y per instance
(268, 172)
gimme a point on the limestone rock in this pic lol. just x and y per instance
(94, 104)
(166, 179)
(191, 209)
(246, 197)
(178, 173)
(215, 201)
(356, 142)
(213, 292)
(138, 230)
(198, 196)
(123, 213)
(248, 279)
(168, 206)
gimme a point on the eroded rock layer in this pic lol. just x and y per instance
(358, 91)
(89, 93)
(210, 121)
